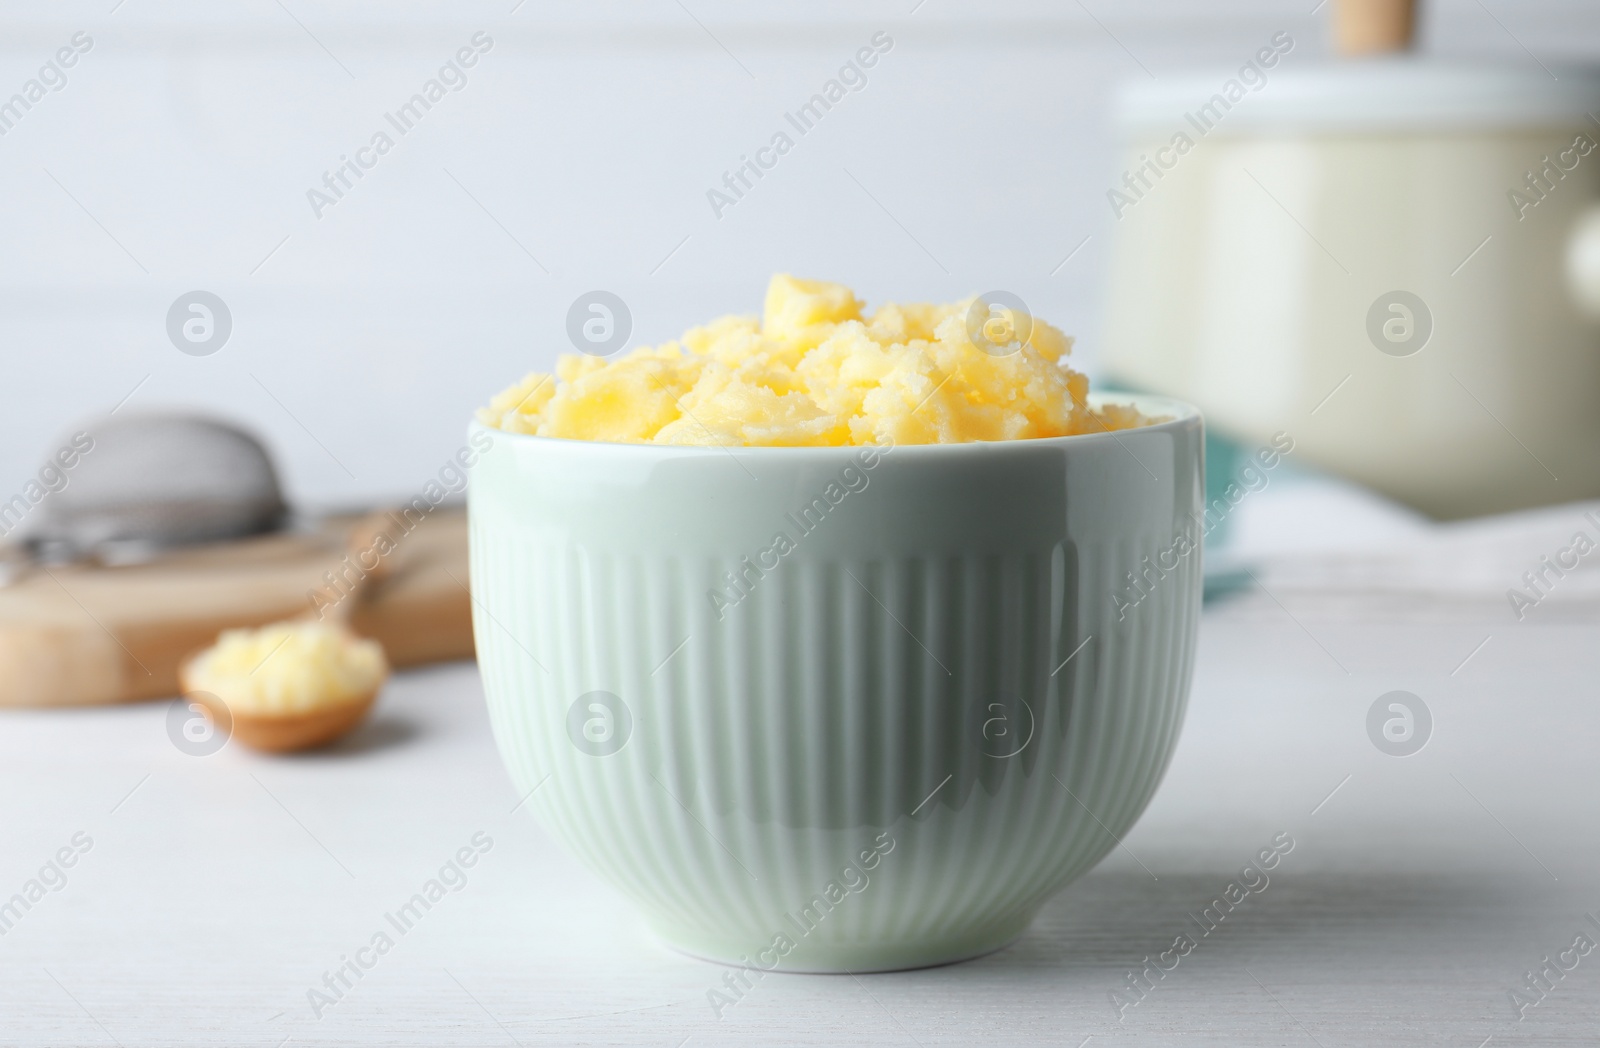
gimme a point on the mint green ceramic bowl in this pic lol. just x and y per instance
(829, 709)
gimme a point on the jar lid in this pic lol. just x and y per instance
(1375, 94)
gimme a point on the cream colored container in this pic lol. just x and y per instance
(1254, 275)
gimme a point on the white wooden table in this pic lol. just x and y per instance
(218, 890)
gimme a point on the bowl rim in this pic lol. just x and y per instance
(1183, 415)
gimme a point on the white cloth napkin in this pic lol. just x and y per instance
(1314, 541)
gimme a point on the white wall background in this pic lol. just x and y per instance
(179, 154)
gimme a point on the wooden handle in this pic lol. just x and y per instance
(362, 549)
(1373, 27)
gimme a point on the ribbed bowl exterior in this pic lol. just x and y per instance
(859, 727)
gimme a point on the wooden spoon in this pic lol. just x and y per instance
(288, 731)
(285, 732)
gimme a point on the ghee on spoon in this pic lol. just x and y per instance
(299, 683)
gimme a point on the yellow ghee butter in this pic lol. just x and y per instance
(289, 667)
(816, 369)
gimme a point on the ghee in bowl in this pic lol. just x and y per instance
(862, 700)
(815, 370)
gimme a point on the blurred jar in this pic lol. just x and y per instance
(1384, 258)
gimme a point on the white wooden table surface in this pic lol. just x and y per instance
(218, 890)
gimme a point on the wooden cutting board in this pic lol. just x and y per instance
(85, 635)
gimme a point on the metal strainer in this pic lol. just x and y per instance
(152, 482)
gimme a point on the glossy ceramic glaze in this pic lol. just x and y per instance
(1258, 273)
(873, 733)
